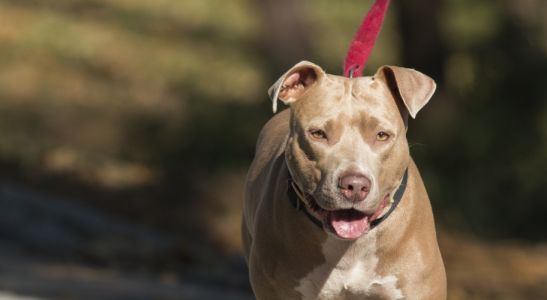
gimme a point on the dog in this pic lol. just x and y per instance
(335, 207)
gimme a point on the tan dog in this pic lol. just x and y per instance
(335, 207)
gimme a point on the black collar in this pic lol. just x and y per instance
(297, 203)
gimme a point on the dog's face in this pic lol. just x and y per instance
(347, 148)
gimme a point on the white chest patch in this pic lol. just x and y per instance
(348, 273)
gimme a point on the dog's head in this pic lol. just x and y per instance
(347, 147)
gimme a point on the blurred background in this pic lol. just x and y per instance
(127, 126)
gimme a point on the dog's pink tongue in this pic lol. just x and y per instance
(349, 224)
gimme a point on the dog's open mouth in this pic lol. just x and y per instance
(345, 223)
(349, 224)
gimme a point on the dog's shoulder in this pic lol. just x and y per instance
(273, 136)
(270, 144)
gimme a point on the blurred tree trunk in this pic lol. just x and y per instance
(420, 31)
(285, 32)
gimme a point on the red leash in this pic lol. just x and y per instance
(363, 42)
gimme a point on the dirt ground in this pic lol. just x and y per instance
(476, 270)
(479, 269)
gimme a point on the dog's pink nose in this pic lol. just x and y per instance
(354, 187)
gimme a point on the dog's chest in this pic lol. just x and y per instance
(349, 273)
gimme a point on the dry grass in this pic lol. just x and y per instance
(479, 269)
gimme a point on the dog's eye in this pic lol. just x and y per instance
(318, 134)
(382, 136)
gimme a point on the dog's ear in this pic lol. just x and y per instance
(411, 87)
(295, 82)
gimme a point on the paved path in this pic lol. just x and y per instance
(46, 246)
